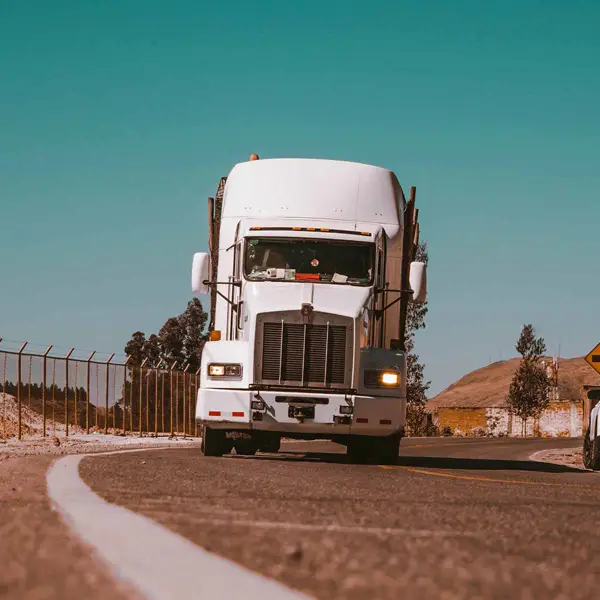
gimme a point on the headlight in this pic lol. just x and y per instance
(382, 378)
(225, 370)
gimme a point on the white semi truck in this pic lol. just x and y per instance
(310, 270)
(591, 441)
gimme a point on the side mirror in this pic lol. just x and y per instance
(200, 273)
(395, 344)
(418, 282)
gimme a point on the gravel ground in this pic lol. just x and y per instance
(39, 558)
(84, 444)
(570, 457)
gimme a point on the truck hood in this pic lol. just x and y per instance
(270, 296)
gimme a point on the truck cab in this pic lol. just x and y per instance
(309, 270)
(591, 441)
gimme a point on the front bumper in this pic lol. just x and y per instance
(232, 409)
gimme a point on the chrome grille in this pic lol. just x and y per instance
(304, 354)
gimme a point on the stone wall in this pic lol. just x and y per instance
(563, 418)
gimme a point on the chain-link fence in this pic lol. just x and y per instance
(48, 393)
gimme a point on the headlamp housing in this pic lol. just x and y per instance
(225, 370)
(382, 378)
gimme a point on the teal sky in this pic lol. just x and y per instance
(119, 117)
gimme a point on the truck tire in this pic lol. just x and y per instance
(215, 442)
(271, 444)
(591, 452)
(355, 451)
(245, 446)
(389, 449)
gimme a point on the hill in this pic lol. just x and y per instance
(487, 387)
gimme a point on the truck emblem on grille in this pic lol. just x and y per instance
(306, 312)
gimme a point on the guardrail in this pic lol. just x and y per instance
(60, 393)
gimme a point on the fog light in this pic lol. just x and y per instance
(342, 420)
(378, 378)
(346, 409)
(258, 405)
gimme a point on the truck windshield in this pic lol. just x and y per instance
(309, 260)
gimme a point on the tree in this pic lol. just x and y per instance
(528, 392)
(181, 339)
(193, 322)
(416, 386)
(170, 338)
(134, 348)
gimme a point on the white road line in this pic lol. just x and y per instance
(160, 564)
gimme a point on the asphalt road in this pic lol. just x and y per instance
(468, 518)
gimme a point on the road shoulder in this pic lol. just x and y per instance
(568, 457)
(39, 556)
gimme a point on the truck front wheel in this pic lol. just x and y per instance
(389, 449)
(591, 452)
(215, 442)
(271, 444)
(246, 445)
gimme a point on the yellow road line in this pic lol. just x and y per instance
(486, 441)
(489, 479)
(408, 447)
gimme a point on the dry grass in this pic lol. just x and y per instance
(488, 387)
(32, 423)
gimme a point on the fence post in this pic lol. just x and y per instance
(148, 380)
(4, 398)
(75, 410)
(106, 393)
(142, 393)
(54, 397)
(44, 359)
(115, 398)
(67, 391)
(29, 383)
(189, 396)
(162, 396)
(19, 389)
(185, 400)
(125, 395)
(156, 372)
(177, 401)
(88, 391)
(171, 396)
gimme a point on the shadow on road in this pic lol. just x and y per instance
(427, 462)
(483, 464)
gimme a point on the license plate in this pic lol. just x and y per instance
(301, 400)
(301, 412)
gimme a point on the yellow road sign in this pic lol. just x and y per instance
(593, 358)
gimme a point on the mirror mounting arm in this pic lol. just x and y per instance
(214, 284)
(402, 293)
